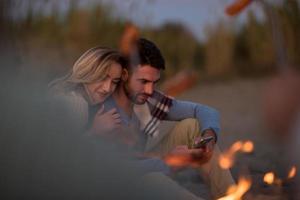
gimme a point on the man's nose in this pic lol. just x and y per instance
(149, 89)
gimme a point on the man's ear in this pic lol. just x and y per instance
(125, 75)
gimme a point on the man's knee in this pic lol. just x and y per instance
(183, 133)
(190, 125)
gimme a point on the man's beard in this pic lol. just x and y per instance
(133, 97)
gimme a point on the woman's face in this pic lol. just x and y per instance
(98, 91)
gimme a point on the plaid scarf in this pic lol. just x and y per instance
(153, 112)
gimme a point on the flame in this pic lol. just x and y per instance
(269, 178)
(248, 147)
(226, 160)
(231, 189)
(237, 7)
(292, 172)
(177, 160)
(128, 39)
(236, 192)
(183, 159)
(236, 146)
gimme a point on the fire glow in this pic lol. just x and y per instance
(237, 7)
(236, 192)
(183, 160)
(292, 172)
(270, 177)
(178, 160)
(226, 160)
(128, 39)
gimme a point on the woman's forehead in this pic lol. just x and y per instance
(115, 70)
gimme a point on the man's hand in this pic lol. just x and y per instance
(209, 147)
(105, 122)
(183, 156)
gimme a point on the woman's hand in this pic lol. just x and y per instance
(105, 122)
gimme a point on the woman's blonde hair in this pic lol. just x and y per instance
(90, 67)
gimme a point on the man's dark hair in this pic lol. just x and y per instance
(149, 54)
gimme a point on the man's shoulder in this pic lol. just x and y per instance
(159, 104)
(159, 97)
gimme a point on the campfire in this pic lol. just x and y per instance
(271, 179)
(236, 192)
(226, 161)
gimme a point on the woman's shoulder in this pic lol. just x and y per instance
(71, 97)
(72, 103)
(62, 93)
(60, 89)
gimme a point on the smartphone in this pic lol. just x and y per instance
(202, 142)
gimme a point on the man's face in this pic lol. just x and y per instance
(141, 83)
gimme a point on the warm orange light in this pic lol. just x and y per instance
(236, 192)
(237, 7)
(231, 189)
(248, 147)
(225, 161)
(236, 146)
(177, 160)
(128, 39)
(292, 172)
(269, 178)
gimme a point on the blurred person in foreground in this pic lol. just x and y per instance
(142, 110)
(43, 153)
(282, 115)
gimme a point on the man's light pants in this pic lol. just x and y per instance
(185, 131)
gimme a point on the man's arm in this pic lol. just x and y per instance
(207, 117)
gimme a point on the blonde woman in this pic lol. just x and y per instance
(93, 78)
